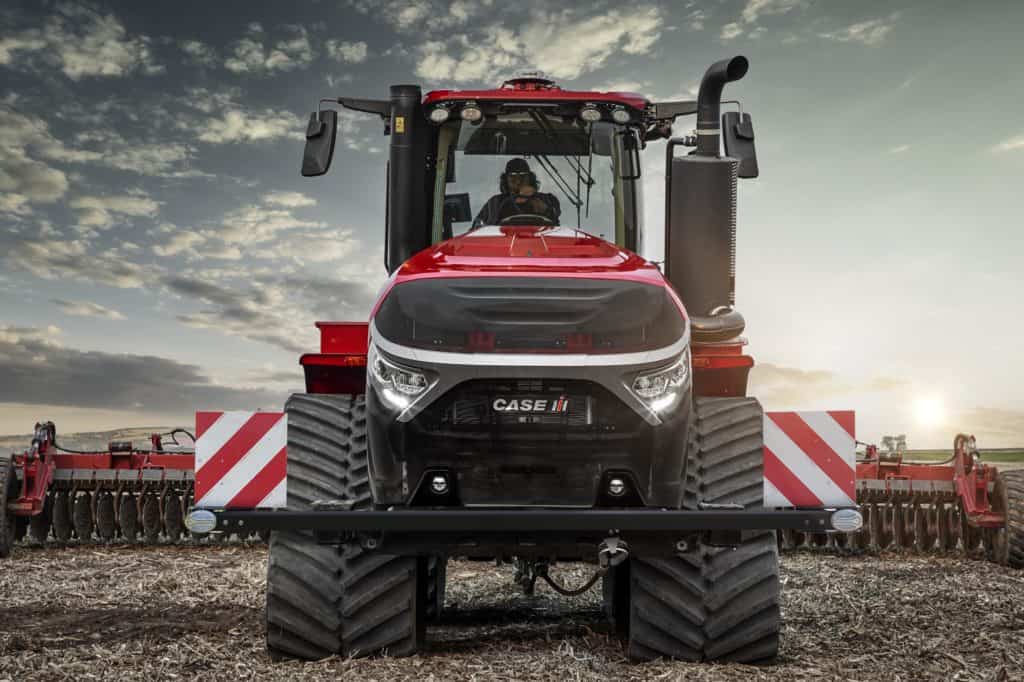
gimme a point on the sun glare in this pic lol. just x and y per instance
(929, 411)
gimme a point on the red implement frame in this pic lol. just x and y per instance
(963, 477)
(38, 467)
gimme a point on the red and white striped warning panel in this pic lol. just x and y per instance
(241, 459)
(809, 459)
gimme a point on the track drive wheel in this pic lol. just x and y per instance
(322, 599)
(712, 603)
(8, 482)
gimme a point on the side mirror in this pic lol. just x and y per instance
(738, 137)
(320, 135)
(456, 208)
(629, 163)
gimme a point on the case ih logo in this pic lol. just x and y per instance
(531, 405)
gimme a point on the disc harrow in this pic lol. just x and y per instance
(960, 505)
(121, 494)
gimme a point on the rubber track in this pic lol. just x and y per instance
(323, 600)
(713, 603)
(6, 523)
(1014, 482)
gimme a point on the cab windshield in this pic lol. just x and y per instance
(531, 167)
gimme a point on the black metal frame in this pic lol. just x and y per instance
(503, 521)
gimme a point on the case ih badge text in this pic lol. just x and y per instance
(531, 404)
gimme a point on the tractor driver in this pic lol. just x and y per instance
(518, 195)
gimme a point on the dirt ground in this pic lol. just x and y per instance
(158, 613)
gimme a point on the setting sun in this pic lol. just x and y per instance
(929, 411)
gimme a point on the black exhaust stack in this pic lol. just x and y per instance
(408, 220)
(700, 216)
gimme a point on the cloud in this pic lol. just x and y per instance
(1010, 144)
(871, 33)
(730, 31)
(755, 9)
(82, 42)
(289, 199)
(37, 368)
(899, 149)
(100, 212)
(563, 43)
(67, 260)
(86, 309)
(421, 15)
(252, 54)
(242, 125)
(779, 386)
(342, 51)
(199, 52)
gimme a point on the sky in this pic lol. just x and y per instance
(160, 253)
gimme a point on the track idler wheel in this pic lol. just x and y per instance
(82, 514)
(151, 518)
(106, 523)
(173, 518)
(62, 524)
(39, 525)
(128, 517)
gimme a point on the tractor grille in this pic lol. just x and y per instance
(554, 455)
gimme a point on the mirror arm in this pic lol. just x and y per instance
(381, 107)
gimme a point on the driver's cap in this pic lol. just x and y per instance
(517, 166)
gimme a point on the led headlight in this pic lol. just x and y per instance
(397, 385)
(590, 113)
(662, 388)
(472, 113)
(439, 114)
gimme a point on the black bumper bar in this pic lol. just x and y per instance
(520, 520)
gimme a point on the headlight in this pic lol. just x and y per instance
(439, 114)
(661, 389)
(471, 113)
(397, 385)
(590, 113)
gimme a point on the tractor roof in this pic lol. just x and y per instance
(536, 88)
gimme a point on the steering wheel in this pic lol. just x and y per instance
(524, 200)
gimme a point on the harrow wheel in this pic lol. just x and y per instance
(62, 523)
(106, 524)
(151, 518)
(173, 519)
(82, 517)
(39, 525)
(128, 517)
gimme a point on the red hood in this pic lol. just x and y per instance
(529, 251)
(511, 250)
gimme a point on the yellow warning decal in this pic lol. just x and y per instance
(399, 124)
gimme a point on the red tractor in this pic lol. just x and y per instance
(529, 389)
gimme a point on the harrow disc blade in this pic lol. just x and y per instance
(106, 525)
(128, 517)
(151, 518)
(82, 512)
(39, 525)
(173, 518)
(62, 524)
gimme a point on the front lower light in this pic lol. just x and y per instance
(397, 385)
(847, 520)
(660, 389)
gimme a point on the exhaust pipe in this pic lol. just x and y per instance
(709, 100)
